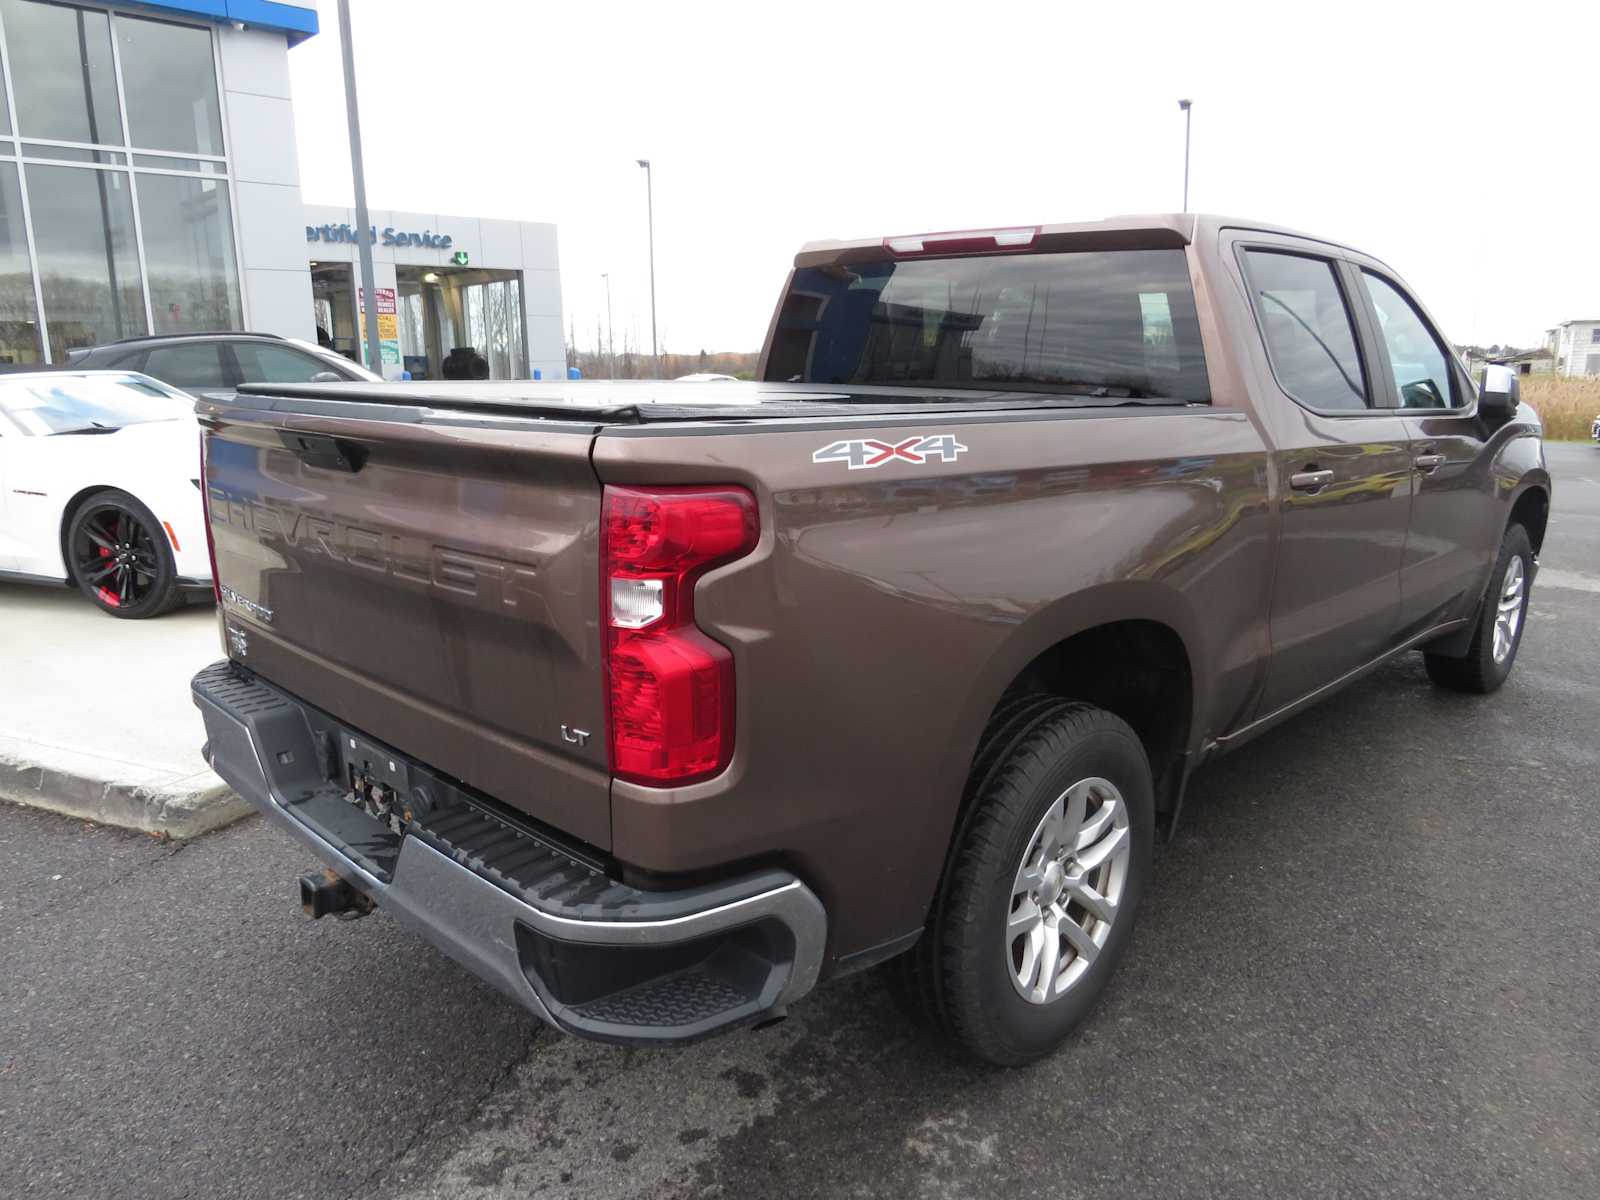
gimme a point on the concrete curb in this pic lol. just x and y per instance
(178, 808)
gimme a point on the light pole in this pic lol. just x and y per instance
(611, 356)
(1188, 115)
(368, 312)
(650, 214)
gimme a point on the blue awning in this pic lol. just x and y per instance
(297, 21)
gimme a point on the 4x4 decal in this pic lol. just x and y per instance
(866, 453)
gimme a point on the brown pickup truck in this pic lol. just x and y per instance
(655, 704)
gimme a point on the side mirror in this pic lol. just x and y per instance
(326, 377)
(1500, 393)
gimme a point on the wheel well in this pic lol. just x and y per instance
(67, 514)
(1532, 512)
(1138, 670)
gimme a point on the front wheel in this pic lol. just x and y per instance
(1044, 886)
(1498, 634)
(118, 556)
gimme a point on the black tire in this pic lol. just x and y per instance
(143, 580)
(962, 967)
(1478, 670)
(912, 976)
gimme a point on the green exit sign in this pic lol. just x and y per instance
(459, 258)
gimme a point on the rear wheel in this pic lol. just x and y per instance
(118, 556)
(1495, 640)
(1044, 884)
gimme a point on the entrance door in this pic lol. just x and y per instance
(333, 294)
(1344, 476)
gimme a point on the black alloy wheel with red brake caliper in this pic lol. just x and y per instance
(118, 556)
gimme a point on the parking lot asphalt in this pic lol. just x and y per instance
(1367, 966)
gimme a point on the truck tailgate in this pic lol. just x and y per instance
(434, 585)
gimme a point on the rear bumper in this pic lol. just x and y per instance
(539, 920)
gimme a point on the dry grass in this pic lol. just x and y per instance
(1567, 407)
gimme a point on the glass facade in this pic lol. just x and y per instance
(88, 261)
(19, 319)
(188, 252)
(171, 84)
(116, 216)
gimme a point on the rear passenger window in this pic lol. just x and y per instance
(1421, 367)
(190, 366)
(1311, 339)
(261, 363)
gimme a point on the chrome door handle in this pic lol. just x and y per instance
(1428, 463)
(1310, 481)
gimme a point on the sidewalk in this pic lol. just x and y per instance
(95, 717)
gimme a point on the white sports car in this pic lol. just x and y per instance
(99, 487)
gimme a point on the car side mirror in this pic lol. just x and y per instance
(1499, 393)
(326, 377)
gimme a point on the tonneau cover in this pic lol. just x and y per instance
(638, 401)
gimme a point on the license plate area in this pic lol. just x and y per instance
(378, 784)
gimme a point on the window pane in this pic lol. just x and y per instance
(519, 360)
(188, 251)
(62, 75)
(73, 154)
(19, 331)
(5, 112)
(204, 166)
(88, 265)
(170, 81)
(1118, 323)
(1421, 370)
(191, 365)
(261, 363)
(1309, 335)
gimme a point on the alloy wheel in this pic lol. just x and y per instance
(1508, 616)
(116, 556)
(1067, 891)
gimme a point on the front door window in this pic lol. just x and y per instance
(1422, 376)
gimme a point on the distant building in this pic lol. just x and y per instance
(1529, 362)
(1576, 347)
(1525, 362)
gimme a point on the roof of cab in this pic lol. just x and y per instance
(1135, 232)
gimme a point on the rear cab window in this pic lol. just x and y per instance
(1114, 324)
(1308, 329)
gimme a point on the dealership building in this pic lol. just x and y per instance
(149, 184)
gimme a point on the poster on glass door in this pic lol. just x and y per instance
(388, 325)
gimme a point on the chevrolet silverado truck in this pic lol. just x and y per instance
(658, 704)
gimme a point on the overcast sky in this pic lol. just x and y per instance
(1455, 143)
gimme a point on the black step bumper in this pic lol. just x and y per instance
(538, 918)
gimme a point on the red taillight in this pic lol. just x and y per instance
(962, 241)
(669, 687)
(205, 512)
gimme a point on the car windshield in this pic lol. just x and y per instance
(74, 404)
(1113, 324)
